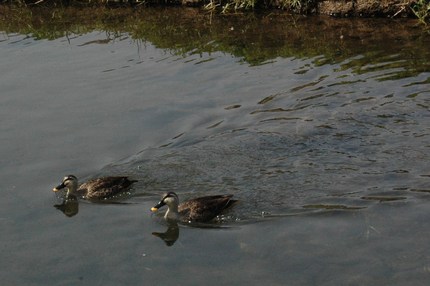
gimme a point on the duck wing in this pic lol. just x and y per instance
(204, 209)
(105, 186)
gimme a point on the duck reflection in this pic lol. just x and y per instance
(69, 206)
(170, 235)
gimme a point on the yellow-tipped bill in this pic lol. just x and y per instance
(157, 206)
(59, 187)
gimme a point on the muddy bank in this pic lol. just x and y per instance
(366, 8)
(337, 8)
(351, 8)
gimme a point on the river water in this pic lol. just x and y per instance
(319, 127)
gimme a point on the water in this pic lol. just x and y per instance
(325, 145)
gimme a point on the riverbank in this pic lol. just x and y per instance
(338, 8)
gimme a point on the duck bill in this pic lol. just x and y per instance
(157, 206)
(59, 187)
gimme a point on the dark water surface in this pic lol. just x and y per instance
(322, 132)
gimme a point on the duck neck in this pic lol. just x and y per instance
(72, 190)
(172, 212)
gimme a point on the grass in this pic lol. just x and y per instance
(421, 9)
(229, 6)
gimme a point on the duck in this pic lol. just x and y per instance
(99, 188)
(202, 209)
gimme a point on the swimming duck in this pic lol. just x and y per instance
(99, 188)
(201, 209)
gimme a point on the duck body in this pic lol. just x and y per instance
(99, 188)
(202, 209)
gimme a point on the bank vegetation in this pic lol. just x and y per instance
(419, 9)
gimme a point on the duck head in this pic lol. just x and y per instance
(69, 182)
(172, 201)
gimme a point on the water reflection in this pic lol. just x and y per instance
(386, 49)
(170, 235)
(69, 206)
